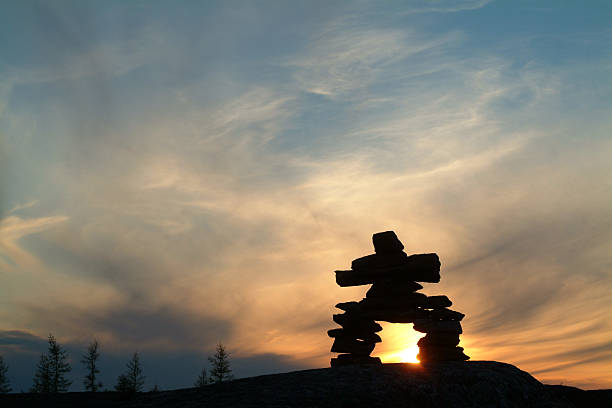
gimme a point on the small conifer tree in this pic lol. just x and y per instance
(220, 366)
(123, 384)
(89, 360)
(132, 380)
(202, 379)
(5, 386)
(58, 367)
(42, 376)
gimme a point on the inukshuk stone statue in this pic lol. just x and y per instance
(393, 298)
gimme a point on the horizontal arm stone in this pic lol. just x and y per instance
(419, 268)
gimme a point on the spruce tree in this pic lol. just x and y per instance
(132, 380)
(5, 386)
(123, 384)
(220, 366)
(58, 367)
(42, 376)
(89, 360)
(202, 379)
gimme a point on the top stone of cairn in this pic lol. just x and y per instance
(386, 242)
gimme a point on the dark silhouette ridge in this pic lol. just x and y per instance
(393, 298)
(446, 384)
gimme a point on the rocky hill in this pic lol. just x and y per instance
(450, 384)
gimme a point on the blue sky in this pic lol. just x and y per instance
(173, 175)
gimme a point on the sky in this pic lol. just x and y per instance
(174, 175)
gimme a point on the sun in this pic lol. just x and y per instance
(409, 355)
(400, 343)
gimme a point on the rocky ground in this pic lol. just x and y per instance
(452, 384)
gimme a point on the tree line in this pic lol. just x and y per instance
(52, 370)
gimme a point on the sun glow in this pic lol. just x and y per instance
(409, 355)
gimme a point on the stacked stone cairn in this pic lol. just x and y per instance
(394, 297)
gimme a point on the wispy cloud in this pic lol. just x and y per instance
(349, 55)
(19, 207)
(12, 228)
(442, 6)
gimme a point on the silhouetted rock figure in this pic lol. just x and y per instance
(393, 298)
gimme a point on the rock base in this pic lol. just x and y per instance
(351, 359)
